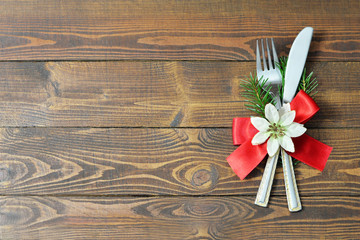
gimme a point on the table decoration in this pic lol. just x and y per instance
(272, 130)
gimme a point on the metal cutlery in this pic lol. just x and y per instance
(273, 76)
(294, 69)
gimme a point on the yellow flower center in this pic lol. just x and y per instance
(276, 130)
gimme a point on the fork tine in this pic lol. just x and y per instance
(268, 53)
(276, 60)
(258, 60)
(263, 55)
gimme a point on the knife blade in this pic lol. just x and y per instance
(296, 62)
(294, 68)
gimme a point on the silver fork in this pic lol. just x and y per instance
(272, 73)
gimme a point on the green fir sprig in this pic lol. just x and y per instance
(308, 84)
(256, 94)
(282, 67)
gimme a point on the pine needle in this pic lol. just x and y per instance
(308, 84)
(282, 67)
(256, 93)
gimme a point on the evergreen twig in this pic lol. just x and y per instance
(256, 94)
(308, 84)
(282, 67)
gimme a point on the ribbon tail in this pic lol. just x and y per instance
(311, 151)
(246, 157)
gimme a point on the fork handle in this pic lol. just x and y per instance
(292, 193)
(263, 194)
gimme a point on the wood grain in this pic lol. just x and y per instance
(155, 94)
(177, 218)
(196, 29)
(115, 119)
(140, 161)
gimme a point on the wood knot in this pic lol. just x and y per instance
(201, 177)
(11, 171)
(205, 178)
(4, 174)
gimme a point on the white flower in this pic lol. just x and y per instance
(279, 127)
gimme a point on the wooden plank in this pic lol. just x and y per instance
(196, 29)
(141, 161)
(177, 218)
(155, 94)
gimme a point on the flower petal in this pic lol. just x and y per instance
(271, 113)
(259, 123)
(295, 130)
(260, 138)
(284, 109)
(287, 144)
(287, 118)
(272, 146)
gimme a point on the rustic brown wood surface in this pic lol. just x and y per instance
(177, 218)
(115, 119)
(195, 29)
(155, 94)
(132, 161)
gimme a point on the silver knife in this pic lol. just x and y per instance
(294, 68)
(296, 62)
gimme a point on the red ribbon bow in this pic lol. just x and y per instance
(307, 149)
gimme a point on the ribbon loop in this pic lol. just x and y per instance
(242, 130)
(304, 106)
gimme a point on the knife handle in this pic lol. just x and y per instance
(292, 193)
(263, 194)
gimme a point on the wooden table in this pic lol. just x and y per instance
(116, 119)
